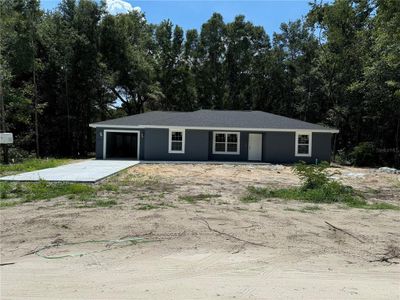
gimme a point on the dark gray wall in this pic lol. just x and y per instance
(156, 145)
(279, 147)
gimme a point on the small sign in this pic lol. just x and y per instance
(6, 138)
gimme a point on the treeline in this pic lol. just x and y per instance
(339, 66)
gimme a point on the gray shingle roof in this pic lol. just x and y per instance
(212, 119)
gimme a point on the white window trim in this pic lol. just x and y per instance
(170, 140)
(226, 152)
(105, 131)
(309, 133)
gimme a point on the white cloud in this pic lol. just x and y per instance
(120, 7)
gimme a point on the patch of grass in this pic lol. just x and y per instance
(311, 208)
(199, 197)
(290, 209)
(331, 193)
(147, 206)
(304, 209)
(5, 190)
(105, 203)
(31, 165)
(109, 187)
(250, 198)
(43, 190)
(317, 187)
(131, 182)
(4, 204)
(382, 205)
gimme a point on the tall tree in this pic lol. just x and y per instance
(127, 49)
(211, 54)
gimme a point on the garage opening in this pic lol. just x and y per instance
(121, 145)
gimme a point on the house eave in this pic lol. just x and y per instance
(328, 130)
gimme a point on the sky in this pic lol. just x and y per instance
(193, 13)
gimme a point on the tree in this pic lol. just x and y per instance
(210, 76)
(127, 50)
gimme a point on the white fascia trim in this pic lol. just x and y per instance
(170, 140)
(215, 128)
(119, 130)
(226, 142)
(309, 133)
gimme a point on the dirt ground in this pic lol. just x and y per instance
(272, 249)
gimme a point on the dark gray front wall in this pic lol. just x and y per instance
(156, 145)
(278, 147)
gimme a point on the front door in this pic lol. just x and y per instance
(255, 146)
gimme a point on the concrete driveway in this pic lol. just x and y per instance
(86, 171)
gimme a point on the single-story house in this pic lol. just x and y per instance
(212, 135)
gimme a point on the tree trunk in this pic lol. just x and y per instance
(35, 106)
(35, 100)
(2, 107)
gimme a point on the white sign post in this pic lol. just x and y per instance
(6, 138)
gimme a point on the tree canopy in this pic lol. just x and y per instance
(338, 66)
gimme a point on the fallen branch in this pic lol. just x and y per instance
(6, 264)
(346, 232)
(392, 253)
(230, 235)
(386, 259)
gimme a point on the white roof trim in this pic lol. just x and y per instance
(214, 128)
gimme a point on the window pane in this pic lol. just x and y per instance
(176, 136)
(303, 139)
(176, 146)
(220, 138)
(303, 149)
(232, 138)
(220, 147)
(232, 147)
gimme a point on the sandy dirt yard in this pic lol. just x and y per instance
(211, 246)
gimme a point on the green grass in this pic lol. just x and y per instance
(31, 165)
(25, 192)
(199, 197)
(304, 209)
(105, 203)
(329, 193)
(97, 203)
(109, 187)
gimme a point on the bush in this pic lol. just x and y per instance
(312, 176)
(365, 154)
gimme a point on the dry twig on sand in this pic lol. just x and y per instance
(391, 253)
(230, 235)
(344, 231)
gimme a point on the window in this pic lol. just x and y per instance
(303, 144)
(226, 143)
(176, 141)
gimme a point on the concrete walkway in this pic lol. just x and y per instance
(86, 171)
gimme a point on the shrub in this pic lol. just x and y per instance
(312, 176)
(364, 154)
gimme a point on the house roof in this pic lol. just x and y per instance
(213, 119)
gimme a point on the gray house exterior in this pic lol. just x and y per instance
(211, 135)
